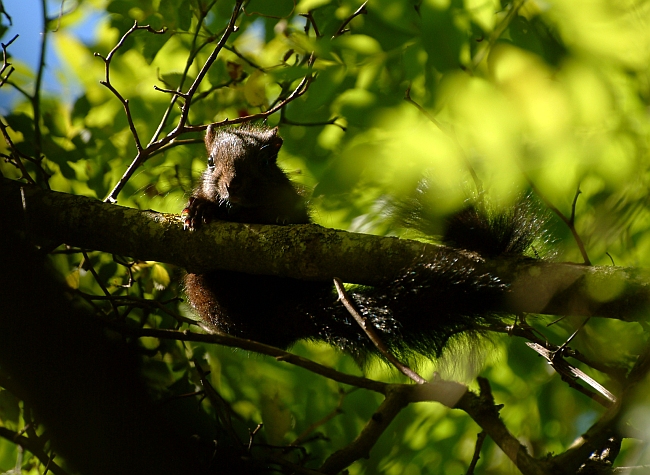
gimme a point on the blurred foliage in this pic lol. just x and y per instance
(546, 93)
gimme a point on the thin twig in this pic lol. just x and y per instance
(395, 401)
(360, 11)
(170, 91)
(332, 121)
(310, 21)
(570, 374)
(527, 332)
(496, 33)
(203, 94)
(124, 300)
(194, 51)
(610, 422)
(180, 128)
(369, 329)
(101, 284)
(298, 91)
(234, 51)
(231, 28)
(35, 101)
(570, 221)
(312, 427)
(249, 345)
(477, 452)
(485, 413)
(5, 63)
(36, 98)
(16, 155)
(219, 404)
(107, 80)
(34, 448)
(3, 12)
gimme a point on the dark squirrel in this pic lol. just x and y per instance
(415, 313)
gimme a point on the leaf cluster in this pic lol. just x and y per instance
(503, 98)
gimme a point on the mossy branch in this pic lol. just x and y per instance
(312, 252)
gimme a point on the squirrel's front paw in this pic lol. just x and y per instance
(196, 212)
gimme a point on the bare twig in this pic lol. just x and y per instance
(312, 427)
(360, 11)
(251, 63)
(486, 414)
(332, 121)
(310, 21)
(35, 101)
(190, 60)
(610, 422)
(36, 97)
(570, 374)
(6, 65)
(249, 345)
(570, 221)
(203, 94)
(297, 92)
(527, 332)
(124, 300)
(180, 128)
(60, 15)
(34, 448)
(176, 143)
(252, 435)
(107, 79)
(220, 406)
(3, 12)
(372, 334)
(101, 284)
(16, 156)
(231, 28)
(486, 46)
(170, 91)
(396, 400)
(477, 452)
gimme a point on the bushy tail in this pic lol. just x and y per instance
(434, 300)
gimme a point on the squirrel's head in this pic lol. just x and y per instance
(242, 163)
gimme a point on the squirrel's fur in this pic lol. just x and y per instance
(416, 312)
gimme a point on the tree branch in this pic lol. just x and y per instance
(396, 400)
(34, 447)
(486, 414)
(277, 353)
(311, 252)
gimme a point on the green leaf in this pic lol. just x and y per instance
(9, 409)
(151, 44)
(442, 39)
(160, 276)
(21, 123)
(81, 108)
(172, 80)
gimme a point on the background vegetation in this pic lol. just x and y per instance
(552, 96)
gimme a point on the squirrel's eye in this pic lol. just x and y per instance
(211, 161)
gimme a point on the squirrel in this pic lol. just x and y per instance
(415, 313)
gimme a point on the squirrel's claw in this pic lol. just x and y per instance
(194, 214)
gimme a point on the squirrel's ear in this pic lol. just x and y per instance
(209, 136)
(276, 141)
(273, 134)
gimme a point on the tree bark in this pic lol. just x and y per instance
(310, 252)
